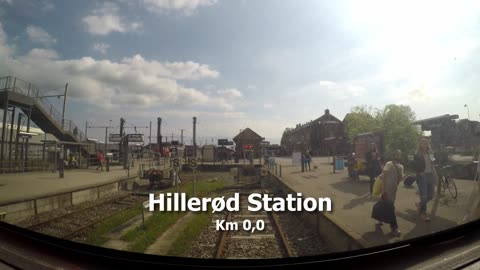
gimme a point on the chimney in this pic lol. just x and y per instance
(327, 111)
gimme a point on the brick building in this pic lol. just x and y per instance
(247, 136)
(323, 136)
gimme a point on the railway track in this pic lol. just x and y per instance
(248, 243)
(69, 225)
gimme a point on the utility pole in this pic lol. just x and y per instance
(172, 136)
(122, 143)
(86, 128)
(181, 136)
(64, 104)
(122, 124)
(106, 136)
(194, 151)
(20, 115)
(194, 136)
(150, 138)
(159, 135)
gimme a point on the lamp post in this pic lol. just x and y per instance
(468, 111)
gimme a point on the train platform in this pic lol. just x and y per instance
(352, 207)
(16, 187)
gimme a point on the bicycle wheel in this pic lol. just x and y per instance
(443, 184)
(452, 188)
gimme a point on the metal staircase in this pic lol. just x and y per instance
(24, 95)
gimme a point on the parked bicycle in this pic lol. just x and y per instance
(446, 181)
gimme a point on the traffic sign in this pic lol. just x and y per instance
(135, 137)
(192, 162)
(176, 162)
(222, 141)
(115, 138)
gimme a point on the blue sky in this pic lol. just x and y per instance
(266, 64)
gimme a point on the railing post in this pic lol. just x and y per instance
(35, 208)
(280, 170)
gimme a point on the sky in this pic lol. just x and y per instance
(266, 65)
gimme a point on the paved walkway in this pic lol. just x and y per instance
(22, 186)
(353, 208)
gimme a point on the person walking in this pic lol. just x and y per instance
(100, 160)
(373, 165)
(384, 209)
(302, 161)
(308, 160)
(424, 167)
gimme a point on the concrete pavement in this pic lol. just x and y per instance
(352, 206)
(24, 186)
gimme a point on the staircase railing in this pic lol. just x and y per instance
(13, 84)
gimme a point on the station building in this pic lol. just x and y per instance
(323, 136)
(250, 138)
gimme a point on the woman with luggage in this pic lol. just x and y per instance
(384, 209)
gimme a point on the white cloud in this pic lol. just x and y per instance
(268, 105)
(230, 93)
(176, 70)
(101, 47)
(42, 54)
(131, 83)
(105, 20)
(185, 6)
(47, 5)
(226, 98)
(37, 34)
(329, 89)
(5, 50)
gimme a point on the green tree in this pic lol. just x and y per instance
(396, 122)
(361, 119)
(284, 141)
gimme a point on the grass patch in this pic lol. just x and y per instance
(194, 228)
(96, 238)
(159, 222)
(155, 226)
